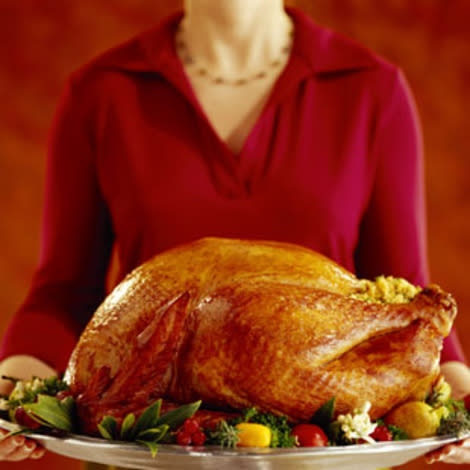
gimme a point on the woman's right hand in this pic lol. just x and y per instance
(16, 448)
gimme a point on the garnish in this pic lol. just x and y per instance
(358, 424)
(398, 434)
(190, 433)
(225, 435)
(457, 422)
(26, 391)
(52, 412)
(46, 406)
(148, 419)
(337, 436)
(382, 433)
(309, 435)
(453, 405)
(253, 435)
(440, 394)
(281, 435)
(108, 427)
(324, 415)
(40, 405)
(151, 428)
(176, 417)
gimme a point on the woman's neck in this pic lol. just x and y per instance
(231, 36)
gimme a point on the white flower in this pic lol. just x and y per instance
(18, 391)
(4, 404)
(37, 384)
(358, 425)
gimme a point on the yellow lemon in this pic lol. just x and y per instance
(416, 418)
(253, 435)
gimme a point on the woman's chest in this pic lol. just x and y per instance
(304, 175)
(231, 110)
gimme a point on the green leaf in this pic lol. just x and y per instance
(108, 427)
(153, 434)
(249, 413)
(104, 432)
(50, 413)
(398, 434)
(148, 419)
(68, 404)
(324, 415)
(153, 446)
(127, 425)
(176, 418)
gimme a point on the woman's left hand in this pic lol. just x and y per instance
(457, 375)
(452, 453)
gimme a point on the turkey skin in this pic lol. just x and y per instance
(239, 323)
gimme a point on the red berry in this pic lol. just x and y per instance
(198, 438)
(183, 438)
(23, 419)
(310, 435)
(466, 401)
(382, 433)
(191, 426)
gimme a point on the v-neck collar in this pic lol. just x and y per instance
(236, 162)
(320, 50)
(172, 69)
(316, 51)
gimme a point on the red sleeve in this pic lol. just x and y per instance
(76, 240)
(392, 240)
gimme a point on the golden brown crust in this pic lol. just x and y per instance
(263, 324)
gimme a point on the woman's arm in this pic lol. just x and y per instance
(76, 242)
(457, 374)
(392, 238)
(393, 233)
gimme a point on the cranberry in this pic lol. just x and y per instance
(191, 426)
(198, 438)
(183, 438)
(382, 433)
(466, 401)
(24, 419)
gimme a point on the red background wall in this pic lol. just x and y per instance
(41, 42)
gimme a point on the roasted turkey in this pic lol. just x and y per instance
(242, 323)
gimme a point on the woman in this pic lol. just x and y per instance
(238, 119)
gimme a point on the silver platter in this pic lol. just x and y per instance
(172, 457)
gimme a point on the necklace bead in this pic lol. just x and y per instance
(189, 60)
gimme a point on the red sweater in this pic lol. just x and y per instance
(333, 163)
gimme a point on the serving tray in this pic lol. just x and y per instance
(173, 457)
